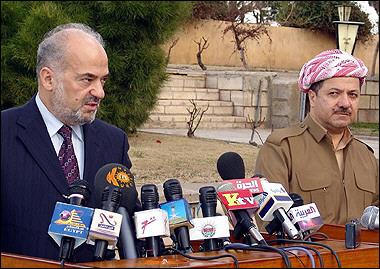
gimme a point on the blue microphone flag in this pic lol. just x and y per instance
(72, 221)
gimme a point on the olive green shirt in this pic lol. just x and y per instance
(301, 157)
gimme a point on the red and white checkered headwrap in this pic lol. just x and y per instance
(329, 64)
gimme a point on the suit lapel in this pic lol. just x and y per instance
(92, 151)
(35, 137)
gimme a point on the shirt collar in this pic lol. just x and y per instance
(319, 132)
(52, 123)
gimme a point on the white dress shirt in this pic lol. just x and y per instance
(53, 125)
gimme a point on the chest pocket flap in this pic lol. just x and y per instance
(313, 180)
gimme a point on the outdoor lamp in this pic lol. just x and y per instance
(346, 31)
(344, 12)
(345, 35)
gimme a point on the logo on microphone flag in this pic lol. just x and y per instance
(179, 213)
(120, 177)
(252, 184)
(209, 227)
(105, 225)
(151, 223)
(72, 221)
(306, 216)
(237, 199)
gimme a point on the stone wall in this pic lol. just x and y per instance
(274, 97)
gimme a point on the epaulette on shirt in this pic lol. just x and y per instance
(279, 134)
(371, 149)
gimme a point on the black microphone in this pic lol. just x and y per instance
(120, 176)
(111, 200)
(208, 201)
(173, 192)
(149, 200)
(79, 193)
(230, 165)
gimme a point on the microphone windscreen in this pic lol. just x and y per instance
(80, 186)
(369, 217)
(226, 186)
(119, 176)
(149, 196)
(172, 189)
(230, 165)
(297, 199)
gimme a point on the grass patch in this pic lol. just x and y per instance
(360, 128)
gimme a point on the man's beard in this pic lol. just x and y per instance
(67, 115)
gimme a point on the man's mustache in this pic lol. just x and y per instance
(342, 110)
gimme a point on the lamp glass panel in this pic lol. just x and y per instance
(344, 12)
(347, 36)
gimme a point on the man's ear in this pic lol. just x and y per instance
(48, 78)
(312, 95)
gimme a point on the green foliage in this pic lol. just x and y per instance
(319, 15)
(133, 31)
(313, 15)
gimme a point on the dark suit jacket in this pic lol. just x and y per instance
(32, 180)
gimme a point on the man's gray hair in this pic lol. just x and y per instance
(51, 50)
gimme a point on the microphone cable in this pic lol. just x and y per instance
(301, 249)
(317, 253)
(310, 243)
(316, 233)
(266, 248)
(206, 258)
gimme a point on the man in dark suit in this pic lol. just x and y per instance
(72, 68)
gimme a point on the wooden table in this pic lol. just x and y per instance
(364, 256)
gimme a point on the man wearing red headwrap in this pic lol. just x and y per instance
(319, 158)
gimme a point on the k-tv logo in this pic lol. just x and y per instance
(120, 177)
(237, 199)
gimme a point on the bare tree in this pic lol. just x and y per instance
(254, 125)
(174, 42)
(241, 32)
(201, 48)
(194, 113)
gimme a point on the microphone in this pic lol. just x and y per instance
(273, 203)
(179, 214)
(119, 176)
(106, 224)
(306, 218)
(230, 165)
(70, 222)
(370, 218)
(152, 222)
(208, 201)
(244, 222)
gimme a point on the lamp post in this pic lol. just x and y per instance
(346, 31)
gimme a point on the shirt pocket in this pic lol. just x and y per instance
(365, 182)
(317, 188)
